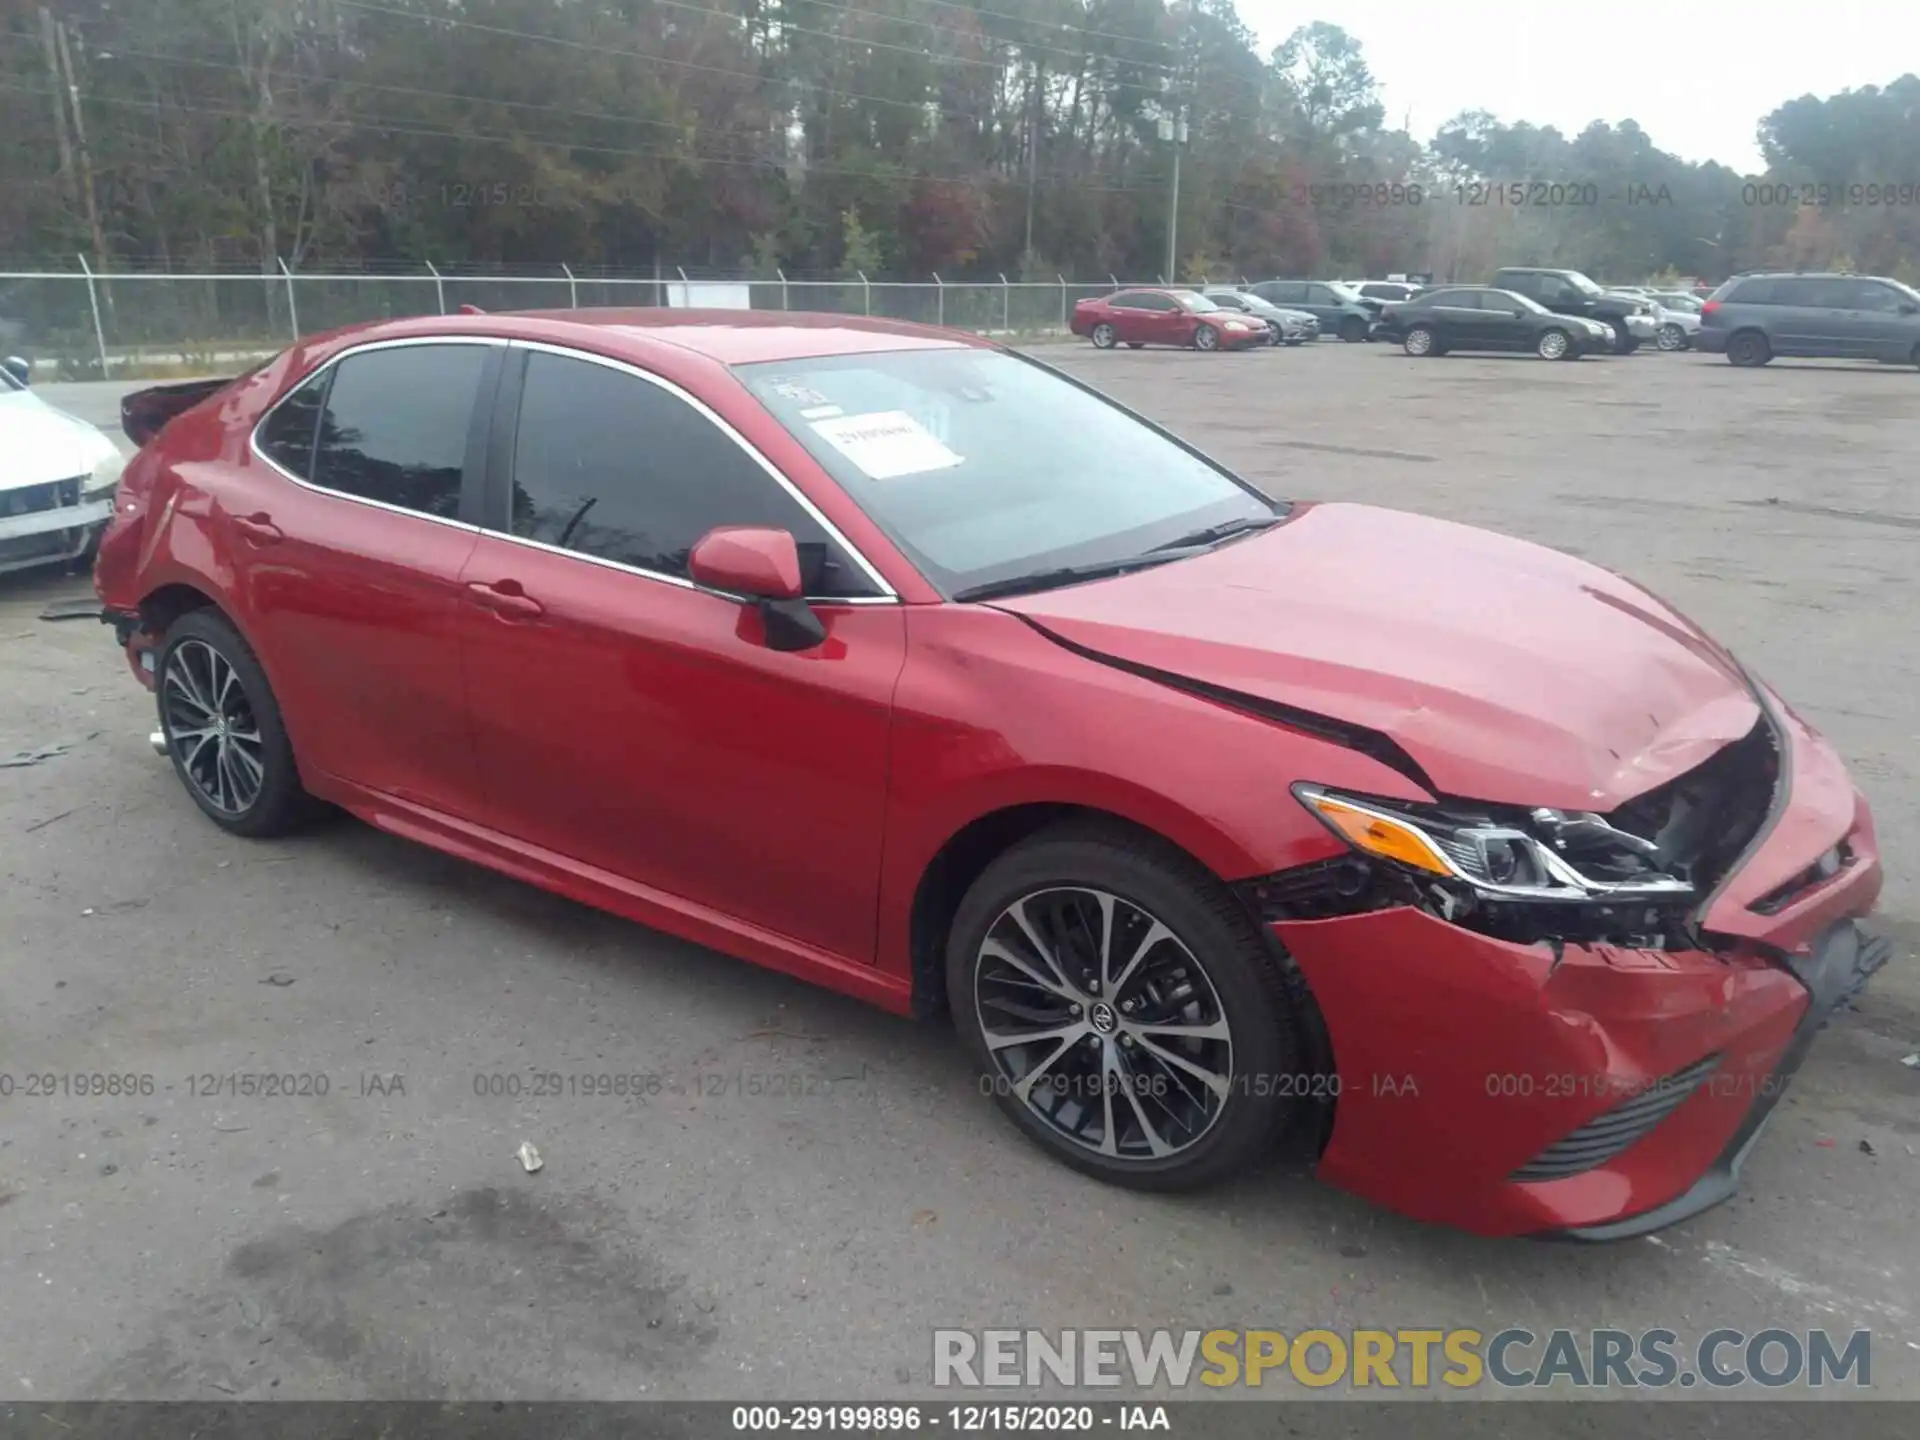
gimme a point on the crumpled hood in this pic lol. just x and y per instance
(1509, 672)
(39, 443)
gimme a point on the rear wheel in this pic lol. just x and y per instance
(1123, 1009)
(1353, 330)
(1206, 338)
(1553, 345)
(223, 730)
(1748, 348)
(1671, 337)
(1421, 340)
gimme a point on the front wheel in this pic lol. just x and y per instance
(1124, 1011)
(1206, 338)
(1553, 345)
(1103, 336)
(1353, 330)
(223, 730)
(1671, 337)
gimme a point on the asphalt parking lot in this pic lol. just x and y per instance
(381, 1240)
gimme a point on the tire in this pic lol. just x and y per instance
(1296, 341)
(1205, 337)
(1103, 336)
(207, 672)
(1554, 344)
(1671, 337)
(1421, 341)
(1208, 956)
(1353, 330)
(1136, 344)
(1748, 349)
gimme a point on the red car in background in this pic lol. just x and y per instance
(1166, 317)
(902, 663)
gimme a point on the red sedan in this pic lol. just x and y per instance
(1166, 317)
(899, 662)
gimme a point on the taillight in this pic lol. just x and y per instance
(1708, 307)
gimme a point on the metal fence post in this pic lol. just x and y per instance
(293, 310)
(1116, 279)
(1006, 306)
(866, 291)
(783, 287)
(99, 332)
(439, 287)
(940, 287)
(573, 289)
(1063, 298)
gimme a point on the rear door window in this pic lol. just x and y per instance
(396, 424)
(286, 436)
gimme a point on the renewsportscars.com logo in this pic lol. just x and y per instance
(1399, 1359)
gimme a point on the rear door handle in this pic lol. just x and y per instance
(505, 598)
(258, 528)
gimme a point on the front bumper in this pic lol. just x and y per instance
(47, 537)
(1486, 1085)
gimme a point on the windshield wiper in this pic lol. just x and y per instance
(1070, 575)
(1214, 534)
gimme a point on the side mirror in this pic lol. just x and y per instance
(19, 369)
(764, 566)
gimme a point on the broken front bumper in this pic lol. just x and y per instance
(1612, 1090)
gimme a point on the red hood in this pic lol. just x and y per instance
(1510, 672)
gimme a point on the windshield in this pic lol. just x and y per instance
(1582, 283)
(1905, 289)
(983, 467)
(1343, 290)
(1198, 304)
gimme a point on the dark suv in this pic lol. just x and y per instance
(1753, 318)
(1339, 310)
(1568, 292)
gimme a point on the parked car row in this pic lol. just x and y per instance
(1220, 319)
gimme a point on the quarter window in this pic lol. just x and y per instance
(286, 436)
(613, 466)
(395, 426)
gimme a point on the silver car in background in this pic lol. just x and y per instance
(1289, 327)
(57, 477)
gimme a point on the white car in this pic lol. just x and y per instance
(57, 478)
(1679, 321)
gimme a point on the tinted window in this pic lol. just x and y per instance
(1322, 295)
(1453, 299)
(1281, 292)
(1799, 291)
(395, 425)
(617, 467)
(1228, 302)
(1752, 292)
(286, 436)
(1520, 282)
(1128, 300)
(1156, 302)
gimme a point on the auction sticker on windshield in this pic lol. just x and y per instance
(886, 445)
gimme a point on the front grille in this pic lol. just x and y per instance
(1704, 820)
(33, 499)
(1609, 1135)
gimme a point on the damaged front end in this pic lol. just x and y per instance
(1636, 877)
(1547, 1022)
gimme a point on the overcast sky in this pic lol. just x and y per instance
(1698, 80)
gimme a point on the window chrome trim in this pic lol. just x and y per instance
(253, 436)
(888, 595)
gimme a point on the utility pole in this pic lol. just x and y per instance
(80, 141)
(1174, 130)
(57, 90)
(1033, 155)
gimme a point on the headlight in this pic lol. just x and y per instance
(1544, 855)
(106, 474)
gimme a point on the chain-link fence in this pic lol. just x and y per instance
(88, 324)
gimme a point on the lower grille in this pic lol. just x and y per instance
(1609, 1135)
(53, 545)
(33, 499)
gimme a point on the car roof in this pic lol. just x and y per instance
(731, 337)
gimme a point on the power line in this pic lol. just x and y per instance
(1066, 26)
(383, 125)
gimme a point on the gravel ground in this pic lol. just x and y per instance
(381, 1240)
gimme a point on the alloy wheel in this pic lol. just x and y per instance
(1103, 336)
(1102, 1023)
(1671, 337)
(211, 727)
(1419, 341)
(1206, 338)
(1553, 346)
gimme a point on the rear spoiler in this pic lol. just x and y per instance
(144, 413)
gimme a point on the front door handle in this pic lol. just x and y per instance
(505, 598)
(259, 528)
